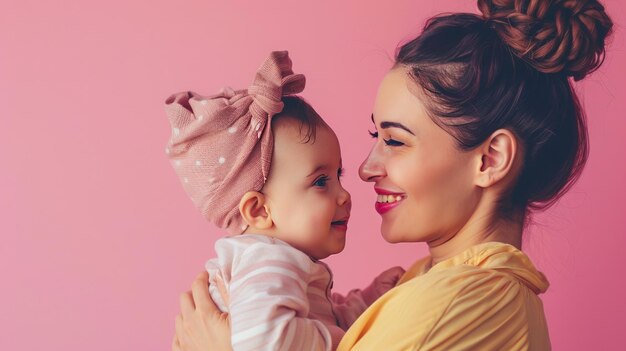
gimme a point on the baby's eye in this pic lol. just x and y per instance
(392, 142)
(341, 172)
(321, 182)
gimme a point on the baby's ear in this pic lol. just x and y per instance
(253, 209)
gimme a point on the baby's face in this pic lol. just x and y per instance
(308, 204)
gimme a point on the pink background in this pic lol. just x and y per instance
(97, 236)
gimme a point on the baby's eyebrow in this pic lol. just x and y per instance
(317, 169)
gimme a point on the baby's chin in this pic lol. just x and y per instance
(330, 252)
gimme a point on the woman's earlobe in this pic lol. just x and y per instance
(254, 210)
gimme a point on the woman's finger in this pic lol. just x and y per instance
(201, 296)
(221, 287)
(187, 306)
(178, 326)
(180, 333)
(175, 344)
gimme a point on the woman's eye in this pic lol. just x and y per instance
(340, 172)
(321, 182)
(389, 142)
(392, 142)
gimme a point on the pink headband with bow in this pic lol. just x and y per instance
(221, 145)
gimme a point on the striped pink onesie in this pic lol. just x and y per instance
(279, 298)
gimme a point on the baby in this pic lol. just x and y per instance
(263, 165)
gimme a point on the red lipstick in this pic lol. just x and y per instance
(384, 207)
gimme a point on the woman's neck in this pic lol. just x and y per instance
(480, 228)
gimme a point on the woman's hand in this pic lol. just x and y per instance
(201, 326)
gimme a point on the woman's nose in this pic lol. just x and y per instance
(372, 167)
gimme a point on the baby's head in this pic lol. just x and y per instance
(302, 202)
(261, 160)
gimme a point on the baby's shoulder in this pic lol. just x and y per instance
(256, 248)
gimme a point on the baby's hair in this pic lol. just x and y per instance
(300, 110)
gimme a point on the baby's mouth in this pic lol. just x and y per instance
(342, 222)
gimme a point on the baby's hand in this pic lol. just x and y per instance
(388, 279)
(383, 283)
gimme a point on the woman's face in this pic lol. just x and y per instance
(425, 185)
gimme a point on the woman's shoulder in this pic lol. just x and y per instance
(487, 264)
(440, 289)
(488, 277)
(479, 300)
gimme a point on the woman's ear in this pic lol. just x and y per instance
(254, 210)
(497, 157)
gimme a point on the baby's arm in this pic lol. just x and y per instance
(348, 308)
(268, 302)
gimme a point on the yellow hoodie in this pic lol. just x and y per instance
(484, 298)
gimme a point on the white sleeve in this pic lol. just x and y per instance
(269, 304)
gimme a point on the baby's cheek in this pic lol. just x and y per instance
(321, 211)
(302, 216)
(317, 219)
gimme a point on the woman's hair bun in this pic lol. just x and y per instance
(565, 36)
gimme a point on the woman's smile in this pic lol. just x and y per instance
(387, 200)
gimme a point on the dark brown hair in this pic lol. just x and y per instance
(300, 110)
(510, 68)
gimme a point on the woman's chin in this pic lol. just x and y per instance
(394, 234)
(391, 235)
(392, 240)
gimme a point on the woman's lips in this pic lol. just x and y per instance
(383, 207)
(387, 200)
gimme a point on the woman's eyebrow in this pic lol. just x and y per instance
(385, 125)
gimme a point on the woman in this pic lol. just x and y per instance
(477, 126)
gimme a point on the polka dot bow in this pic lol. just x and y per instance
(221, 145)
